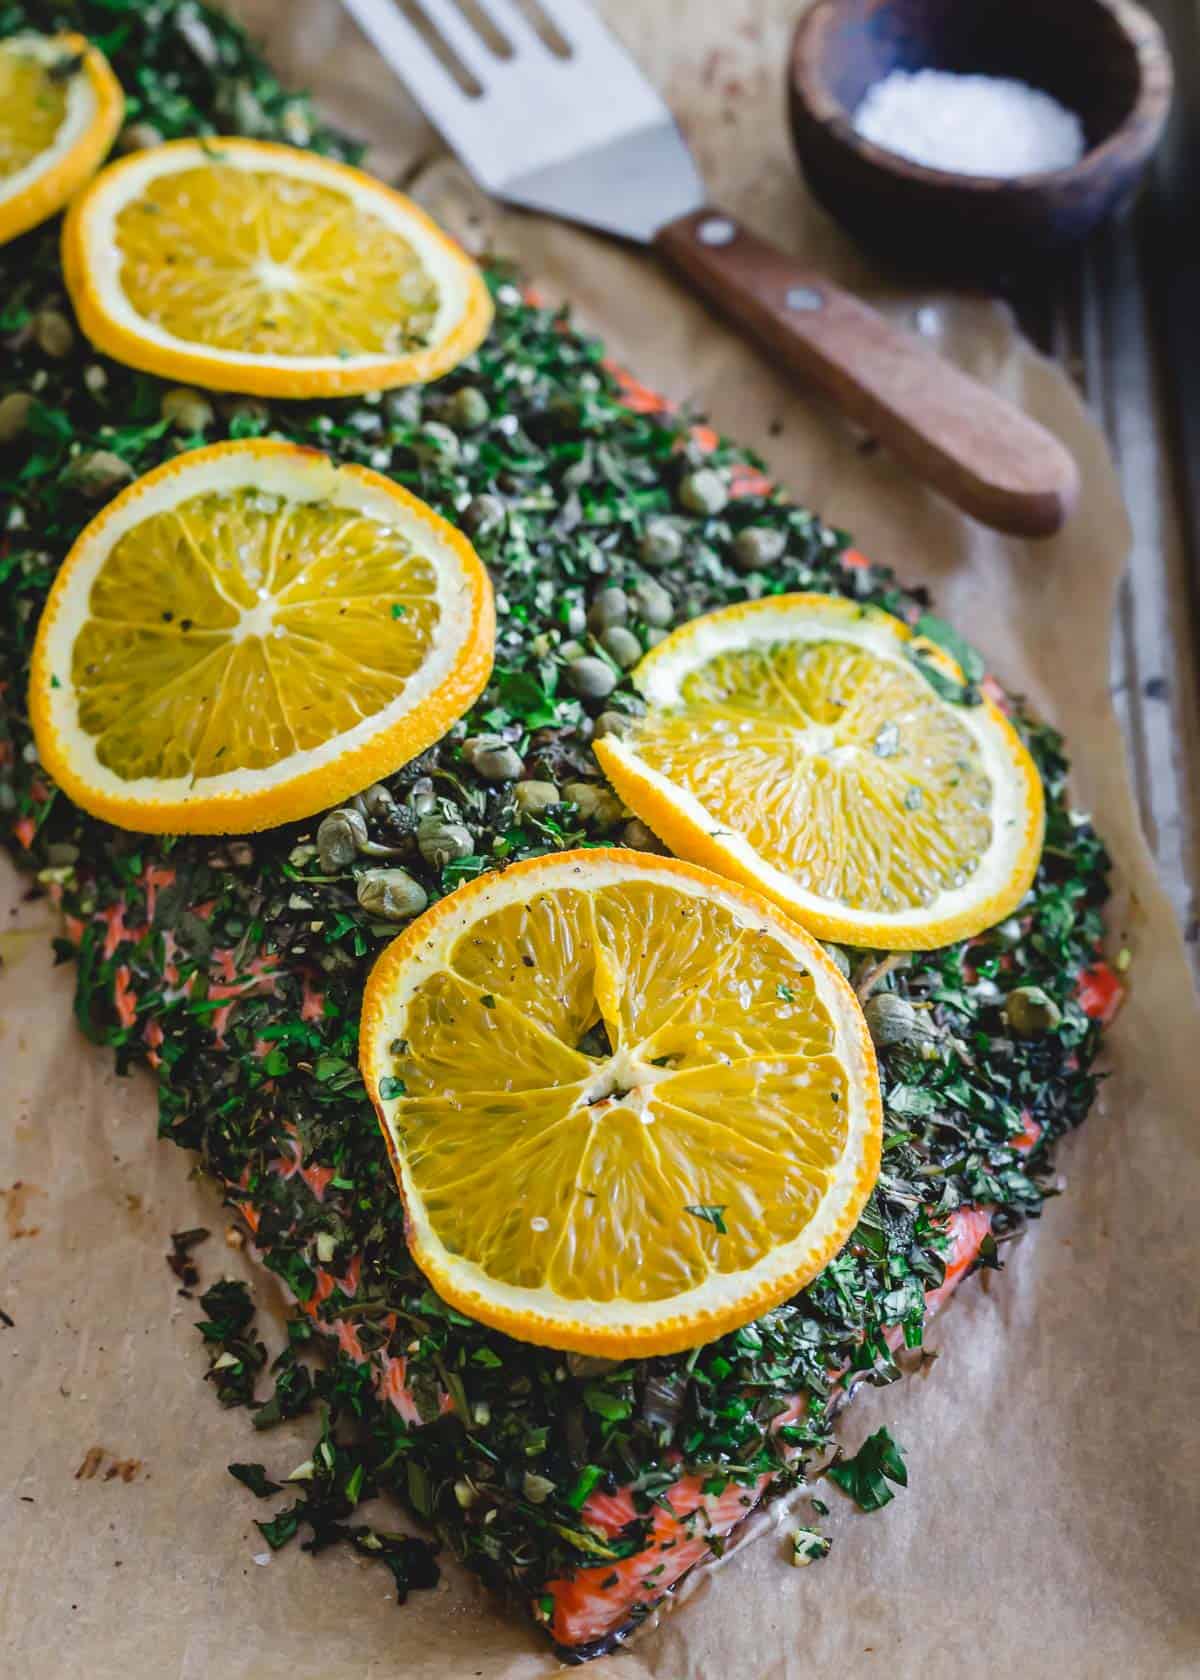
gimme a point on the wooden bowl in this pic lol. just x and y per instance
(1104, 59)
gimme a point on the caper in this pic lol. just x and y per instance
(402, 405)
(610, 606)
(95, 378)
(483, 515)
(594, 802)
(838, 958)
(591, 678)
(424, 801)
(654, 636)
(661, 544)
(623, 645)
(379, 802)
(535, 797)
(297, 123)
(391, 894)
(53, 333)
(437, 443)
(612, 723)
(188, 411)
(440, 842)
(14, 415)
(1030, 1012)
(500, 764)
(138, 137)
(468, 409)
(339, 837)
(893, 1022)
(97, 472)
(575, 619)
(636, 834)
(493, 758)
(758, 547)
(584, 1365)
(653, 604)
(248, 409)
(703, 491)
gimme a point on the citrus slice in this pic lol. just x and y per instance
(629, 1105)
(796, 744)
(60, 109)
(250, 633)
(247, 266)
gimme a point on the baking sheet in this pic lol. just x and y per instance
(1050, 1524)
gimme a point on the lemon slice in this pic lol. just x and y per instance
(794, 743)
(60, 109)
(250, 633)
(629, 1105)
(246, 266)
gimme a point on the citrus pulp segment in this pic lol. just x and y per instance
(629, 1105)
(243, 265)
(250, 633)
(60, 109)
(795, 743)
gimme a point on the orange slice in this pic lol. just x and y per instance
(246, 266)
(60, 109)
(250, 633)
(629, 1105)
(794, 743)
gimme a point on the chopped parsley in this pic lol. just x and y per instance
(565, 489)
(711, 1215)
(867, 1477)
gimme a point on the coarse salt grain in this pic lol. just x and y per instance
(971, 125)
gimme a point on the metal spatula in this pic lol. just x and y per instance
(548, 111)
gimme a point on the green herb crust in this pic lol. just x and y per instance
(236, 968)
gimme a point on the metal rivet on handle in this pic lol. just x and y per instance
(804, 299)
(716, 230)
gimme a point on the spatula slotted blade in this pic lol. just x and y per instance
(576, 132)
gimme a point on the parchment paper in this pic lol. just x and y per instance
(1050, 1524)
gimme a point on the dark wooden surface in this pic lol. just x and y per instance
(1123, 319)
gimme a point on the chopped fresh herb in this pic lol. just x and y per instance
(809, 1547)
(948, 687)
(565, 488)
(583, 1485)
(945, 636)
(605, 1404)
(867, 1475)
(255, 1478)
(282, 1528)
(180, 1258)
(711, 1215)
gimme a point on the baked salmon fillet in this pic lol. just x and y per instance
(233, 969)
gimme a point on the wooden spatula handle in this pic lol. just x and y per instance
(954, 433)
